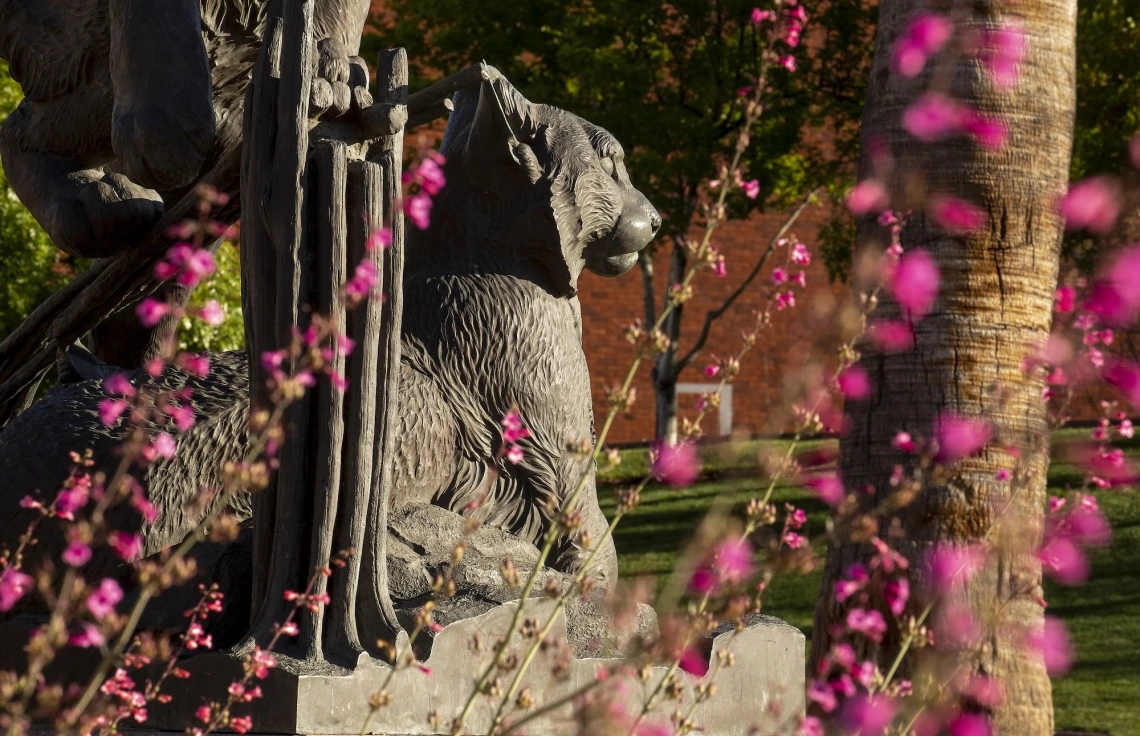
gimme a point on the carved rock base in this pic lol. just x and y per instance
(764, 688)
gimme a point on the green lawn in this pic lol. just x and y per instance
(1100, 694)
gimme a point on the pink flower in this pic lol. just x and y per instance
(854, 383)
(948, 565)
(110, 409)
(711, 370)
(104, 598)
(1064, 299)
(198, 265)
(675, 465)
(1004, 48)
(923, 38)
(1092, 204)
(931, 117)
(150, 311)
(854, 580)
(127, 546)
(418, 209)
(162, 445)
(793, 540)
(77, 554)
(759, 16)
(381, 238)
(719, 269)
(784, 301)
(733, 560)
(1062, 560)
(751, 188)
(211, 313)
(827, 488)
(87, 636)
(779, 275)
(959, 437)
(914, 284)
(204, 713)
(118, 383)
(890, 336)
(196, 364)
(868, 715)
(896, 593)
(811, 726)
(800, 254)
(868, 622)
(866, 197)
(1003, 474)
(797, 517)
(515, 455)
(692, 662)
(902, 441)
(822, 694)
(956, 215)
(513, 429)
(431, 176)
(969, 724)
(788, 62)
(13, 585)
(1054, 645)
(364, 279)
(989, 132)
(241, 724)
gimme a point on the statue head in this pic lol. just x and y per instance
(536, 187)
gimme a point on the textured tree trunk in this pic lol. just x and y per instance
(995, 301)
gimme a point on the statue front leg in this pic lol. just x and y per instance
(163, 123)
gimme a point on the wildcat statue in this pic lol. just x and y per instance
(126, 100)
(492, 323)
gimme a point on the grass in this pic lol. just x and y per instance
(1101, 694)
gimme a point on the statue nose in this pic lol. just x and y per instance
(654, 218)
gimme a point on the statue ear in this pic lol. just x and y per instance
(490, 130)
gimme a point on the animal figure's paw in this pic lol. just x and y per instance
(102, 216)
(340, 83)
(160, 147)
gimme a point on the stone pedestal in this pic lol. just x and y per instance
(765, 687)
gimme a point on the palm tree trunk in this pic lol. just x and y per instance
(995, 301)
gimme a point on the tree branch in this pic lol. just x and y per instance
(715, 314)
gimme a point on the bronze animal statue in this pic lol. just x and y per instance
(534, 195)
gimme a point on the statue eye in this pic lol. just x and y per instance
(608, 166)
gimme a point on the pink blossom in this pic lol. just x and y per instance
(823, 695)
(784, 301)
(866, 197)
(854, 580)
(948, 565)
(1091, 204)
(788, 62)
(896, 593)
(110, 409)
(719, 269)
(801, 279)
(675, 465)
(923, 38)
(104, 598)
(914, 284)
(868, 715)
(1054, 645)
(1002, 475)
(183, 416)
(902, 441)
(759, 16)
(1064, 299)
(1003, 50)
(515, 455)
(204, 713)
(1126, 377)
(793, 540)
(127, 546)
(693, 662)
(932, 116)
(211, 313)
(868, 622)
(969, 724)
(751, 188)
(890, 336)
(854, 383)
(431, 176)
(118, 383)
(1063, 561)
(241, 724)
(263, 661)
(513, 429)
(87, 636)
(711, 370)
(77, 554)
(1126, 429)
(796, 517)
(827, 487)
(13, 585)
(800, 254)
(779, 275)
(199, 264)
(150, 311)
(733, 560)
(955, 627)
(381, 238)
(162, 445)
(418, 209)
(196, 364)
(811, 726)
(989, 132)
(956, 215)
(959, 437)
(364, 279)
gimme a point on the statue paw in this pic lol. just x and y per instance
(340, 84)
(160, 147)
(103, 216)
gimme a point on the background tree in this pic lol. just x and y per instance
(664, 78)
(995, 303)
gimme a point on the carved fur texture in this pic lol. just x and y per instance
(491, 322)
